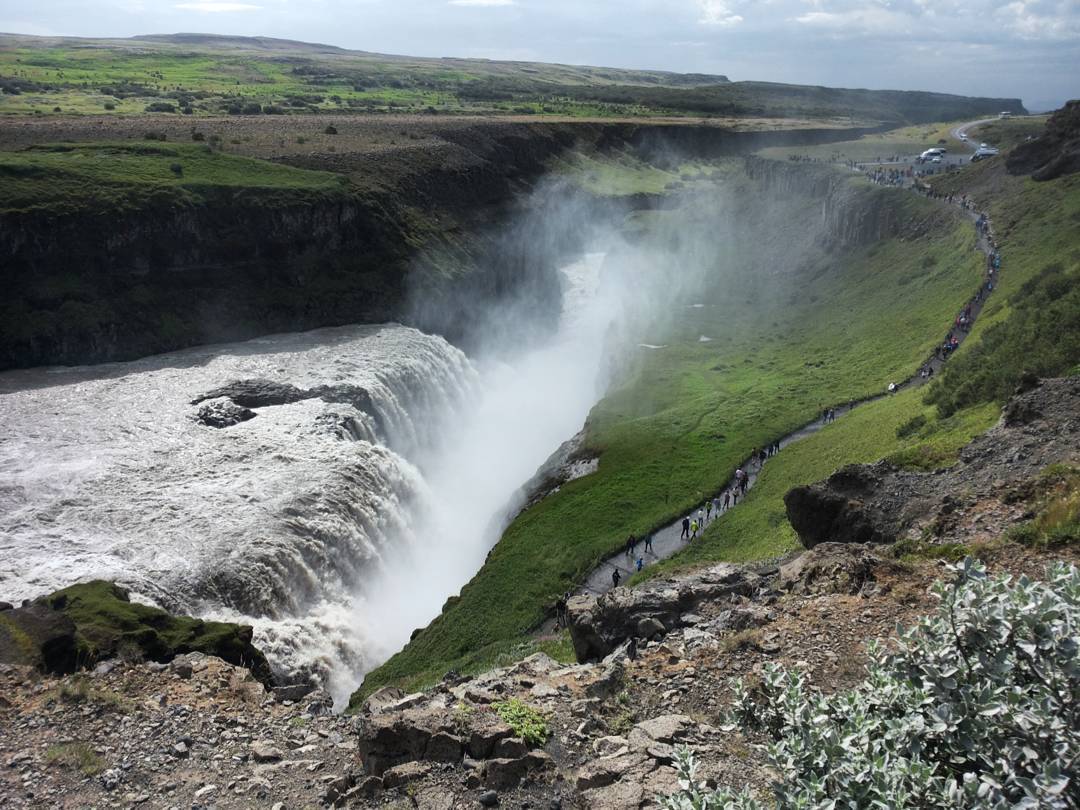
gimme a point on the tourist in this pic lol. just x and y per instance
(630, 543)
(693, 530)
(648, 542)
(685, 528)
(640, 563)
(615, 577)
(727, 500)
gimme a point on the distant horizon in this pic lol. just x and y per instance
(981, 48)
(1034, 110)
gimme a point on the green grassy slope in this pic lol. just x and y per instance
(198, 74)
(789, 335)
(113, 177)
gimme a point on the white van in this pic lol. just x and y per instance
(935, 151)
(1004, 115)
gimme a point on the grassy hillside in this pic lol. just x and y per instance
(201, 75)
(1031, 324)
(790, 330)
(113, 177)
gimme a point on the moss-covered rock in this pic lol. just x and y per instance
(82, 624)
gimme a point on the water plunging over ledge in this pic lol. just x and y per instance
(334, 527)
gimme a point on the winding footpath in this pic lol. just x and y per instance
(667, 540)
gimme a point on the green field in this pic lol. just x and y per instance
(113, 177)
(205, 75)
(794, 328)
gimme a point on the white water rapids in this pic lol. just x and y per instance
(333, 531)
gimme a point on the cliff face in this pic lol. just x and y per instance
(94, 286)
(850, 215)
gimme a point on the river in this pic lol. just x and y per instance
(334, 530)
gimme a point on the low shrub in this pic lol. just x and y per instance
(976, 708)
(527, 723)
(77, 755)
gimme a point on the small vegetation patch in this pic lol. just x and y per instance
(1057, 518)
(974, 708)
(79, 756)
(528, 723)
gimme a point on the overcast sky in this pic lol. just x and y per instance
(1025, 48)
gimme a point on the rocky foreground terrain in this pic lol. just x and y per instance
(658, 663)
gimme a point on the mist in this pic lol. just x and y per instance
(540, 370)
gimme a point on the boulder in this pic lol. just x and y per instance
(666, 728)
(223, 413)
(264, 751)
(830, 568)
(506, 773)
(405, 773)
(598, 625)
(392, 738)
(292, 692)
(837, 510)
(485, 733)
(378, 700)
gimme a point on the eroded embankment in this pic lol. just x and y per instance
(99, 281)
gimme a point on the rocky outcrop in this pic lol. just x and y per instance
(223, 413)
(881, 503)
(1054, 153)
(599, 625)
(848, 507)
(84, 624)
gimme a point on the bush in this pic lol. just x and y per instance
(1041, 336)
(109, 105)
(911, 426)
(976, 708)
(155, 136)
(330, 129)
(176, 169)
(527, 722)
(197, 136)
(161, 106)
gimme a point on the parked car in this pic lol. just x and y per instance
(983, 152)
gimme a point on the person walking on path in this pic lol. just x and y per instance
(630, 543)
(716, 505)
(615, 577)
(693, 530)
(685, 528)
(701, 517)
(640, 563)
(727, 500)
(735, 497)
(648, 543)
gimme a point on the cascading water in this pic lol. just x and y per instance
(335, 522)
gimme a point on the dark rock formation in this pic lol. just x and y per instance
(830, 568)
(1054, 153)
(238, 397)
(837, 510)
(879, 503)
(256, 393)
(222, 414)
(599, 625)
(38, 636)
(94, 621)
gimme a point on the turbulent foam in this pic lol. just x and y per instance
(332, 530)
(105, 473)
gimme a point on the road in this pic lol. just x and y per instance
(960, 131)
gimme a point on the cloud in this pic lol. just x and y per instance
(718, 12)
(216, 6)
(475, 3)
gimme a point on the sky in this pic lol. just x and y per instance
(1024, 48)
